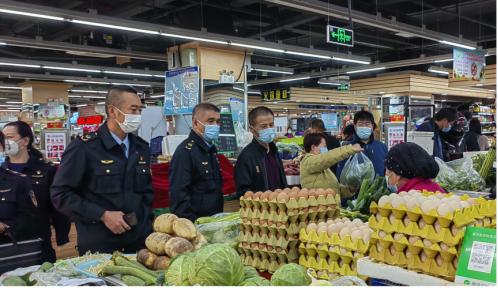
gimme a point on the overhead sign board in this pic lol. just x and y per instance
(469, 64)
(340, 36)
(181, 90)
(276, 95)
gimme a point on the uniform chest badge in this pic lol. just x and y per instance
(33, 198)
(5, 190)
(106, 162)
(257, 169)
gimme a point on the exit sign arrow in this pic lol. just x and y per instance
(340, 36)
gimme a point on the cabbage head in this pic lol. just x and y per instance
(216, 265)
(291, 275)
(250, 272)
(178, 271)
(255, 281)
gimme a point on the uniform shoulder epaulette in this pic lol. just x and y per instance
(141, 140)
(189, 144)
(89, 137)
(15, 172)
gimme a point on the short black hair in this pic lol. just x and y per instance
(205, 106)
(114, 95)
(475, 126)
(312, 139)
(259, 111)
(364, 115)
(24, 130)
(449, 114)
(348, 130)
(2, 140)
(318, 125)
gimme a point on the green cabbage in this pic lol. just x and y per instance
(291, 275)
(250, 272)
(216, 265)
(177, 273)
(255, 281)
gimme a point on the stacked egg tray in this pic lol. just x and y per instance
(425, 241)
(329, 254)
(271, 221)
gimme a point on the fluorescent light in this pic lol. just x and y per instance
(350, 60)
(114, 26)
(87, 91)
(272, 71)
(365, 70)
(14, 108)
(295, 79)
(156, 96)
(257, 47)
(13, 102)
(8, 11)
(160, 76)
(128, 73)
(491, 90)
(438, 71)
(3, 43)
(74, 96)
(19, 65)
(72, 69)
(194, 38)
(382, 93)
(130, 84)
(443, 60)
(11, 87)
(457, 44)
(479, 84)
(238, 89)
(81, 105)
(329, 83)
(100, 103)
(308, 55)
(9, 105)
(94, 97)
(85, 81)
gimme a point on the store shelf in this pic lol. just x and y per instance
(486, 123)
(366, 267)
(488, 132)
(483, 113)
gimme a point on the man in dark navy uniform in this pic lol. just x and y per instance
(194, 175)
(104, 180)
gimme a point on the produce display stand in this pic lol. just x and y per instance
(367, 267)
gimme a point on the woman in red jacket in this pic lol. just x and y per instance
(410, 167)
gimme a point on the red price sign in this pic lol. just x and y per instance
(53, 125)
(90, 120)
(397, 118)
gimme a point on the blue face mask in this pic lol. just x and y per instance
(390, 187)
(2, 158)
(267, 135)
(323, 150)
(363, 132)
(211, 132)
(446, 129)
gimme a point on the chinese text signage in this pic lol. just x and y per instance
(339, 36)
(468, 64)
(276, 95)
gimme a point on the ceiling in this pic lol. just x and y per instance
(269, 21)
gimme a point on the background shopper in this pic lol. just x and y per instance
(441, 123)
(259, 166)
(104, 181)
(474, 140)
(317, 126)
(195, 177)
(22, 157)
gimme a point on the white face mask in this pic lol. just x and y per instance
(11, 148)
(131, 122)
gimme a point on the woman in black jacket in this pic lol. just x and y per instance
(23, 158)
(474, 139)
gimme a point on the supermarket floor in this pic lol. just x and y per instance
(69, 250)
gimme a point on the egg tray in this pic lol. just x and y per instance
(304, 214)
(292, 204)
(399, 258)
(262, 264)
(288, 254)
(346, 269)
(445, 235)
(460, 217)
(274, 240)
(333, 253)
(276, 228)
(334, 240)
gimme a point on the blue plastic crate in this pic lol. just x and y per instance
(382, 282)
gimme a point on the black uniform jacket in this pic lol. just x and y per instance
(195, 179)
(250, 170)
(95, 176)
(18, 207)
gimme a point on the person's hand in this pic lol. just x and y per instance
(357, 148)
(114, 221)
(3, 227)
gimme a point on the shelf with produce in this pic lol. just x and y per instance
(367, 267)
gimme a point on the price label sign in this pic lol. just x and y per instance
(340, 36)
(275, 95)
(477, 261)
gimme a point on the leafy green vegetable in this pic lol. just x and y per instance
(459, 175)
(216, 265)
(178, 271)
(357, 169)
(291, 275)
(220, 228)
(255, 281)
(369, 191)
(250, 272)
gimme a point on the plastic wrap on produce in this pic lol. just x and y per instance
(220, 228)
(357, 168)
(459, 175)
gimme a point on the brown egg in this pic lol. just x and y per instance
(294, 194)
(287, 190)
(304, 190)
(257, 195)
(272, 196)
(312, 193)
(278, 190)
(282, 197)
(296, 189)
(332, 192)
(320, 191)
(303, 194)
(265, 195)
(248, 195)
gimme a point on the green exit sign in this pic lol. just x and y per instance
(339, 36)
(343, 87)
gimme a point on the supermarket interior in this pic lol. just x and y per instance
(248, 143)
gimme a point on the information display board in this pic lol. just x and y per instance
(227, 142)
(181, 91)
(468, 64)
(54, 142)
(275, 95)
